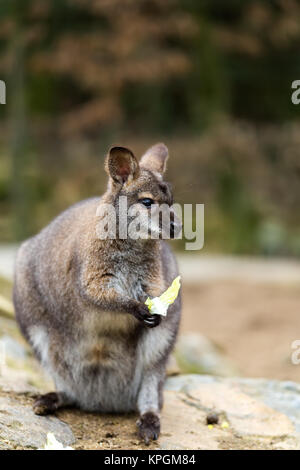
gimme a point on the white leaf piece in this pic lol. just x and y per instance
(53, 444)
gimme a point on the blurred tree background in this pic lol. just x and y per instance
(210, 78)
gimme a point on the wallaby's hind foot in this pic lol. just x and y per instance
(149, 427)
(48, 403)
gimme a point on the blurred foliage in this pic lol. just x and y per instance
(211, 78)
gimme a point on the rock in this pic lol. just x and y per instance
(7, 256)
(17, 383)
(254, 413)
(282, 396)
(247, 416)
(182, 426)
(19, 370)
(198, 355)
(23, 376)
(172, 366)
(12, 348)
(20, 427)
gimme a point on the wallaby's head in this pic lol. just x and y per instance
(142, 186)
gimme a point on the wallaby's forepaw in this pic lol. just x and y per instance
(149, 427)
(142, 313)
(46, 404)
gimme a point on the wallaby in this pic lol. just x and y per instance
(79, 299)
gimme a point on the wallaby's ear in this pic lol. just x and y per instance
(121, 165)
(155, 159)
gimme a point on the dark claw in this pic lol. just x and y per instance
(152, 321)
(142, 314)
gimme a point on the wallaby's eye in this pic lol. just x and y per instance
(146, 201)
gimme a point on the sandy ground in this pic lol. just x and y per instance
(114, 432)
(254, 324)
